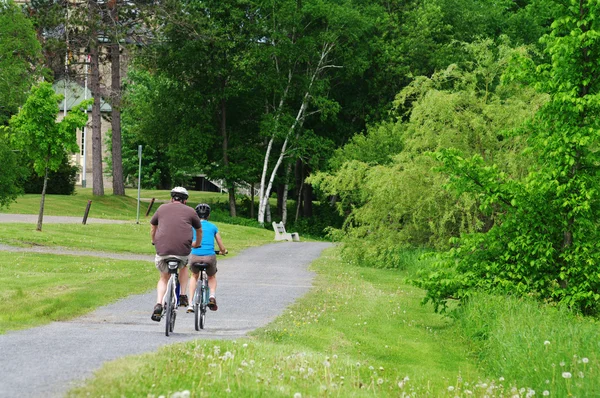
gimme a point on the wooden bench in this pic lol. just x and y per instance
(280, 233)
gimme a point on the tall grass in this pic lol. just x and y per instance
(538, 346)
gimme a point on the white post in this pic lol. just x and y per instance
(84, 138)
(139, 182)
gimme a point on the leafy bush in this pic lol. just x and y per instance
(60, 182)
(545, 238)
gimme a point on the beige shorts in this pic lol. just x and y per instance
(162, 265)
(210, 260)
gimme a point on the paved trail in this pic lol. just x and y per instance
(254, 287)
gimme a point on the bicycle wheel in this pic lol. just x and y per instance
(169, 308)
(197, 300)
(203, 304)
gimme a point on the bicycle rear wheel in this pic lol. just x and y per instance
(203, 304)
(197, 301)
(170, 308)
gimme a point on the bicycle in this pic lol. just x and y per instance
(171, 299)
(201, 295)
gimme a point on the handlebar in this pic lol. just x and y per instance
(218, 252)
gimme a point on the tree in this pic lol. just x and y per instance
(10, 173)
(307, 42)
(385, 182)
(36, 133)
(545, 241)
(20, 54)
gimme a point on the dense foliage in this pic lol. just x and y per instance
(544, 241)
(386, 184)
(60, 182)
(20, 54)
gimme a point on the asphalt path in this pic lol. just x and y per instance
(254, 287)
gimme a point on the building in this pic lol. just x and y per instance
(74, 93)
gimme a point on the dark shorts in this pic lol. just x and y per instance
(210, 260)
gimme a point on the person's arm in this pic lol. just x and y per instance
(222, 249)
(153, 229)
(198, 240)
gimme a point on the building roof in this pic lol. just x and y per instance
(75, 95)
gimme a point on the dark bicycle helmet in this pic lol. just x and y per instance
(179, 194)
(203, 210)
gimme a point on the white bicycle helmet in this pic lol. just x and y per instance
(179, 194)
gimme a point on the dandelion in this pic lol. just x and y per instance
(357, 364)
(401, 384)
(450, 388)
(228, 390)
(566, 375)
(562, 364)
(580, 374)
(546, 343)
(245, 345)
(185, 394)
(546, 393)
(501, 378)
(326, 363)
(585, 360)
(371, 368)
(406, 378)
(335, 356)
(380, 381)
(381, 368)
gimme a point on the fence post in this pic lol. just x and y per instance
(87, 211)
(150, 207)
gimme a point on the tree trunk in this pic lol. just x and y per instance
(230, 183)
(117, 160)
(284, 196)
(41, 213)
(98, 183)
(252, 200)
(307, 193)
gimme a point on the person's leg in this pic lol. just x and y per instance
(161, 287)
(192, 284)
(212, 284)
(183, 283)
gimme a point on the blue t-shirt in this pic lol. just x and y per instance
(207, 248)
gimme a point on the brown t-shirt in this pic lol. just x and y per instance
(175, 221)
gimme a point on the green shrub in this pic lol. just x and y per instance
(60, 182)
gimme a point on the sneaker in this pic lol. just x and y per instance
(212, 304)
(190, 309)
(183, 301)
(158, 309)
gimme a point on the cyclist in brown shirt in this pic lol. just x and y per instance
(171, 233)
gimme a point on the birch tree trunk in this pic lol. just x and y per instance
(265, 191)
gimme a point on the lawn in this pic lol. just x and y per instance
(108, 206)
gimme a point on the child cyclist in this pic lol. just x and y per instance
(206, 254)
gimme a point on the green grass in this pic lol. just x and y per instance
(359, 332)
(41, 288)
(108, 206)
(131, 238)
